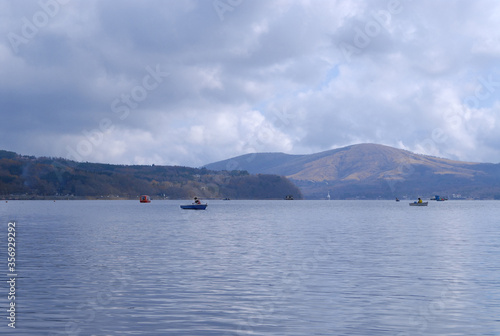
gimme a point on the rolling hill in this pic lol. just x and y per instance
(28, 177)
(373, 171)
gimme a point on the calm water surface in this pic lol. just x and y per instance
(253, 268)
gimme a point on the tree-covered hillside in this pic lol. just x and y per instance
(371, 171)
(31, 177)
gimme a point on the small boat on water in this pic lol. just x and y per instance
(145, 199)
(439, 198)
(419, 204)
(194, 206)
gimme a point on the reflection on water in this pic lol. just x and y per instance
(255, 268)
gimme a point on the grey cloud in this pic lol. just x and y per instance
(264, 76)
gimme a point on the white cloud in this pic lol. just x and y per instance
(271, 76)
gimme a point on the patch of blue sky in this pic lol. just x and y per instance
(485, 92)
(331, 75)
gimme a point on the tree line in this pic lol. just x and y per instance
(28, 177)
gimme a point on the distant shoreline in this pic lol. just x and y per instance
(93, 198)
(119, 198)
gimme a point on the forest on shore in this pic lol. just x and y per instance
(29, 177)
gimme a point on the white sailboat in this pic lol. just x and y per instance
(328, 196)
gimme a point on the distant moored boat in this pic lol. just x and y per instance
(145, 199)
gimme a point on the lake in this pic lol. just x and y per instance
(253, 268)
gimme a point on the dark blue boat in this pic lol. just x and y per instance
(194, 206)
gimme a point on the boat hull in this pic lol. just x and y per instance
(419, 204)
(194, 207)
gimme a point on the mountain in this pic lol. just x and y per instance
(373, 171)
(28, 177)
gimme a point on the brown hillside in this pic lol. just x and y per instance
(370, 161)
(374, 171)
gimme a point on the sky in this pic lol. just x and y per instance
(191, 82)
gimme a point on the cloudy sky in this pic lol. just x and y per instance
(190, 82)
